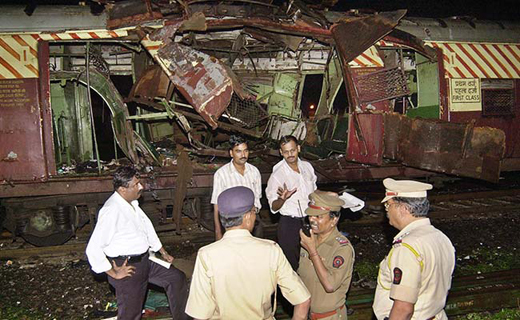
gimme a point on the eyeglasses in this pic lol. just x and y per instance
(388, 205)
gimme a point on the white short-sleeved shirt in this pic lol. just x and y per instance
(305, 182)
(417, 270)
(121, 229)
(228, 177)
(235, 277)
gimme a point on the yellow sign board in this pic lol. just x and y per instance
(465, 95)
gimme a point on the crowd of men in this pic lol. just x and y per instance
(238, 275)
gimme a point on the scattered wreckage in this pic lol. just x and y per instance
(370, 96)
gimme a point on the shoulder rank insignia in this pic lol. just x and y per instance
(342, 240)
(337, 261)
(400, 239)
(397, 241)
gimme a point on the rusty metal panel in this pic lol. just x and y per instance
(152, 83)
(130, 13)
(45, 104)
(406, 39)
(392, 122)
(459, 149)
(381, 85)
(203, 80)
(352, 38)
(380, 105)
(365, 138)
(22, 150)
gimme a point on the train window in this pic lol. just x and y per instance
(498, 97)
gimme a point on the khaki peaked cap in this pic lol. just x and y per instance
(405, 189)
(321, 202)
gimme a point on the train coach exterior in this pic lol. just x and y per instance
(180, 78)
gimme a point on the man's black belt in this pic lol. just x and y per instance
(132, 257)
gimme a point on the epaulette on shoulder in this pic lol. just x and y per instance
(342, 241)
(400, 239)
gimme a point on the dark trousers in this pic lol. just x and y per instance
(288, 234)
(131, 291)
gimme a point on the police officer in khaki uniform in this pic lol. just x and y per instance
(415, 276)
(327, 258)
(235, 277)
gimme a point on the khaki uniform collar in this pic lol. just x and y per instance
(331, 239)
(414, 225)
(236, 233)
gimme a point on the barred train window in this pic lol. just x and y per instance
(498, 97)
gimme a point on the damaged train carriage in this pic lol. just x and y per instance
(186, 75)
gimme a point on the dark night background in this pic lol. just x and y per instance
(487, 10)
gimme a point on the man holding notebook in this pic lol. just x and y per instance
(119, 247)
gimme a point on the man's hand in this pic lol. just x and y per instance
(284, 193)
(121, 272)
(308, 243)
(165, 255)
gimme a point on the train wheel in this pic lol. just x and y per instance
(48, 227)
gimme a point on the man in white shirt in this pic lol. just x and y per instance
(233, 174)
(119, 247)
(288, 192)
(234, 278)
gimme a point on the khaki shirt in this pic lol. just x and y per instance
(417, 270)
(338, 257)
(235, 277)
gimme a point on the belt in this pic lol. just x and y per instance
(132, 257)
(432, 318)
(291, 217)
(316, 316)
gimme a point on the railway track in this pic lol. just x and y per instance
(483, 292)
(460, 206)
(474, 293)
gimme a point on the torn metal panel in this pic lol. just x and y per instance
(283, 40)
(153, 83)
(146, 149)
(352, 38)
(203, 80)
(285, 92)
(406, 39)
(130, 13)
(123, 131)
(300, 28)
(381, 85)
(452, 148)
(181, 187)
(365, 138)
(243, 9)
(332, 81)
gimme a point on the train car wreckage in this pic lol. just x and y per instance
(202, 70)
